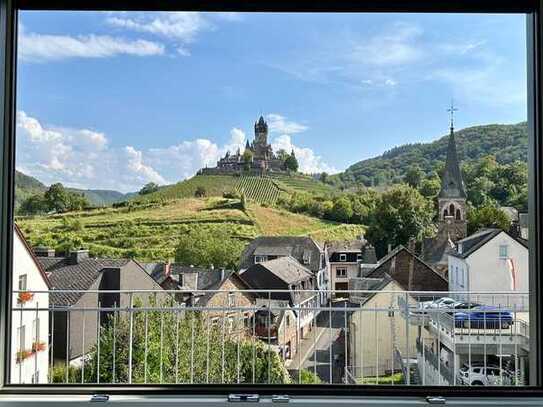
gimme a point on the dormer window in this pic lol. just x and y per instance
(306, 258)
(260, 259)
(343, 257)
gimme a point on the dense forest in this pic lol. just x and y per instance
(507, 143)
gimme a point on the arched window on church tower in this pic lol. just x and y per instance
(451, 210)
(445, 213)
(458, 215)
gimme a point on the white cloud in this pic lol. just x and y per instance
(395, 46)
(137, 166)
(184, 159)
(308, 161)
(79, 158)
(390, 82)
(83, 158)
(44, 47)
(180, 27)
(279, 124)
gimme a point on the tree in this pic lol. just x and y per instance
(77, 202)
(205, 248)
(324, 177)
(57, 197)
(342, 210)
(487, 216)
(34, 204)
(176, 347)
(430, 187)
(247, 159)
(282, 154)
(414, 176)
(291, 163)
(148, 188)
(400, 213)
(200, 192)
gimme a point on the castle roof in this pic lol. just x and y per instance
(452, 185)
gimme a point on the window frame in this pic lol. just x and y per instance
(533, 10)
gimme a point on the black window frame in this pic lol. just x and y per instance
(8, 39)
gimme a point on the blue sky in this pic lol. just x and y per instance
(114, 100)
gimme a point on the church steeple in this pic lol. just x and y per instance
(452, 184)
(452, 196)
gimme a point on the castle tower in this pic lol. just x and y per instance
(452, 196)
(261, 132)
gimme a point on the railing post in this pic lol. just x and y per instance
(408, 379)
(130, 337)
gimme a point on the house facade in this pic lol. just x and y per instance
(491, 260)
(287, 316)
(30, 340)
(346, 260)
(380, 340)
(303, 249)
(74, 332)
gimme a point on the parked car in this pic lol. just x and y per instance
(480, 375)
(444, 302)
(484, 317)
(460, 306)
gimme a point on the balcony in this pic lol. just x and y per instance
(149, 338)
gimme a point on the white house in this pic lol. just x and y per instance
(490, 260)
(30, 327)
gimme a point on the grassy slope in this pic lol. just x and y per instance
(150, 232)
(216, 185)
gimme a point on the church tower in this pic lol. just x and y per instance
(452, 196)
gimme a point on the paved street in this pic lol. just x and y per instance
(323, 351)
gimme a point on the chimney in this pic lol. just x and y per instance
(514, 229)
(42, 251)
(167, 268)
(370, 257)
(76, 256)
(411, 244)
(389, 248)
(222, 274)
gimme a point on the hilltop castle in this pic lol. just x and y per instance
(262, 157)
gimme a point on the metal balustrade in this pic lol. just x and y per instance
(271, 337)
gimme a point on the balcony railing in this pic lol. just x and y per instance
(245, 336)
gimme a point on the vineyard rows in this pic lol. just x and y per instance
(260, 189)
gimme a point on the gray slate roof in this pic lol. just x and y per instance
(344, 246)
(452, 185)
(475, 241)
(81, 276)
(294, 246)
(436, 249)
(287, 269)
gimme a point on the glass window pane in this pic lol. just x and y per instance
(271, 198)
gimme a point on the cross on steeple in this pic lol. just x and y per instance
(451, 110)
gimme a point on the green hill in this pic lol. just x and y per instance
(25, 186)
(264, 190)
(507, 142)
(151, 231)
